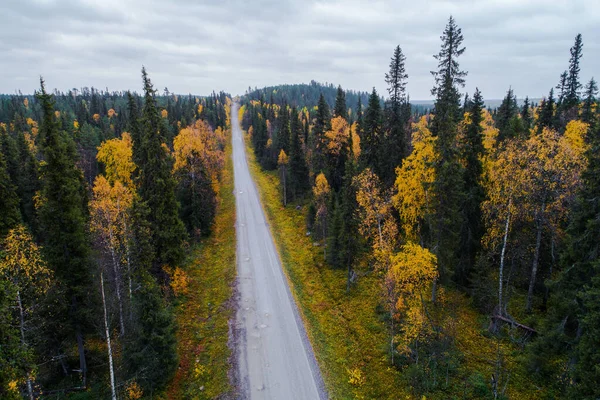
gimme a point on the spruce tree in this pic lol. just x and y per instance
(155, 183)
(506, 112)
(562, 88)
(322, 125)
(587, 114)
(526, 115)
(370, 140)
(573, 86)
(63, 218)
(574, 324)
(9, 202)
(298, 170)
(448, 184)
(546, 117)
(472, 228)
(393, 148)
(340, 109)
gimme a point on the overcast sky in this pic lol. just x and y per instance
(195, 46)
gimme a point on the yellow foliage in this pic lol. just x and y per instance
(111, 113)
(164, 113)
(96, 117)
(355, 141)
(57, 114)
(282, 159)
(179, 281)
(197, 147)
(414, 179)
(134, 391)
(356, 377)
(321, 189)
(337, 137)
(116, 155)
(75, 124)
(200, 109)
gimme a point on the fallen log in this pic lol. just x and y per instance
(514, 323)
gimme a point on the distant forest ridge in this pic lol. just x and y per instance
(307, 95)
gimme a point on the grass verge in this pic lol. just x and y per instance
(204, 311)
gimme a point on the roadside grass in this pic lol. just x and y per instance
(351, 340)
(204, 309)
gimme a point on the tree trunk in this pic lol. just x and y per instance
(23, 343)
(82, 362)
(115, 264)
(108, 346)
(536, 259)
(502, 255)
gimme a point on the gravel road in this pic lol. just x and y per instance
(275, 358)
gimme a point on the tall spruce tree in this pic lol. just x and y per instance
(546, 117)
(63, 217)
(156, 185)
(340, 109)
(573, 86)
(472, 228)
(448, 184)
(393, 148)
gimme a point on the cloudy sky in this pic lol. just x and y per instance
(196, 46)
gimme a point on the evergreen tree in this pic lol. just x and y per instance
(574, 322)
(340, 109)
(9, 202)
(322, 125)
(393, 148)
(359, 119)
(63, 217)
(156, 185)
(349, 238)
(588, 115)
(505, 114)
(281, 141)
(298, 170)
(371, 133)
(562, 88)
(472, 228)
(573, 86)
(546, 117)
(526, 115)
(448, 181)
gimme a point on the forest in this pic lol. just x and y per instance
(101, 196)
(434, 252)
(496, 207)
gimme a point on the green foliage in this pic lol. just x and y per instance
(9, 202)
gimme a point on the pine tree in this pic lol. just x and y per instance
(359, 119)
(448, 182)
(349, 239)
(587, 114)
(155, 183)
(298, 170)
(340, 109)
(63, 217)
(573, 85)
(562, 88)
(472, 228)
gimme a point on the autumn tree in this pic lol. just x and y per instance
(322, 198)
(22, 265)
(337, 141)
(282, 162)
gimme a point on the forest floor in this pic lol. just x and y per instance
(205, 306)
(351, 338)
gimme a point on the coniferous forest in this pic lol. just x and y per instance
(444, 251)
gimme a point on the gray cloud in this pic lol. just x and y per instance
(200, 46)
